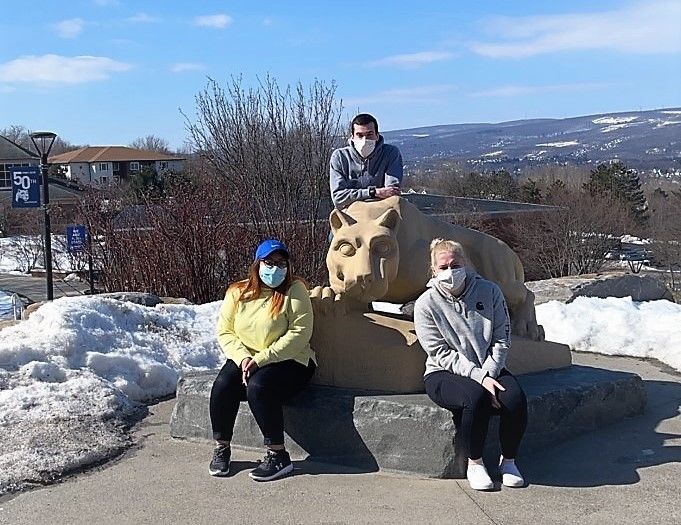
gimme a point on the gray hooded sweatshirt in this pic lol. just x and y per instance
(468, 335)
(350, 175)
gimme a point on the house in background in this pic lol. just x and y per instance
(11, 154)
(99, 165)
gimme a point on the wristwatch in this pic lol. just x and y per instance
(372, 192)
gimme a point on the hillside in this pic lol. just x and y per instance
(645, 140)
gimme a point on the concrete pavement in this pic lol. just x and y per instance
(35, 288)
(624, 473)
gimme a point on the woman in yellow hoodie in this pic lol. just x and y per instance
(264, 328)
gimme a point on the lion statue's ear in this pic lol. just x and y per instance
(390, 219)
(338, 220)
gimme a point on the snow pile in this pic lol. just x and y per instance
(70, 377)
(20, 253)
(613, 120)
(616, 326)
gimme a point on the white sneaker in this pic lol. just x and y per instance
(478, 478)
(510, 475)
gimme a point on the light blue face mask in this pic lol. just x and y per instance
(273, 276)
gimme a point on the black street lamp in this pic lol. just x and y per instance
(43, 140)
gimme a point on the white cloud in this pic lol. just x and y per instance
(412, 59)
(419, 94)
(519, 90)
(143, 18)
(182, 67)
(219, 21)
(642, 28)
(57, 69)
(267, 22)
(70, 28)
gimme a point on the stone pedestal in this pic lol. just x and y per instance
(374, 430)
(381, 352)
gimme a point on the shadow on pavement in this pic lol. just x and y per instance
(613, 455)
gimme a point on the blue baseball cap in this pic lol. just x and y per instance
(268, 247)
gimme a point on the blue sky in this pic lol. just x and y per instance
(109, 71)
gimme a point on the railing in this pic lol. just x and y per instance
(17, 306)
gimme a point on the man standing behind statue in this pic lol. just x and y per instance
(367, 168)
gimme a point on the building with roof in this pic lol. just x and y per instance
(99, 165)
(11, 154)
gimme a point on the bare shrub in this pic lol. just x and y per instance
(271, 145)
(572, 240)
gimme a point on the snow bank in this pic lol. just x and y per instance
(70, 377)
(19, 252)
(616, 326)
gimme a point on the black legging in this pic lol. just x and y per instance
(458, 393)
(267, 390)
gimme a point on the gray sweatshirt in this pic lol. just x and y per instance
(350, 175)
(468, 335)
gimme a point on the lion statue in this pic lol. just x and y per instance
(380, 251)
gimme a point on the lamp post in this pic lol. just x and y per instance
(43, 141)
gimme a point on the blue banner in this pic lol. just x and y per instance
(76, 238)
(25, 186)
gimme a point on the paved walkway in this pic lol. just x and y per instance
(626, 473)
(35, 288)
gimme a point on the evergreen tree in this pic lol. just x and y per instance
(530, 192)
(623, 184)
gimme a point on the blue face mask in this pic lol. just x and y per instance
(273, 276)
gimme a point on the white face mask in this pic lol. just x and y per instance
(364, 146)
(451, 279)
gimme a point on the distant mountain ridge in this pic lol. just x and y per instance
(644, 140)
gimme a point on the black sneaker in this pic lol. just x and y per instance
(275, 465)
(219, 465)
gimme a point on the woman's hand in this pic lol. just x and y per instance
(248, 367)
(492, 385)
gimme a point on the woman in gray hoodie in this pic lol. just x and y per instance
(463, 325)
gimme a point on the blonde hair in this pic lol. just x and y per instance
(445, 245)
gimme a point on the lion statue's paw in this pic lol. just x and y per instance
(528, 328)
(325, 301)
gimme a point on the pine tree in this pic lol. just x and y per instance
(621, 183)
(530, 192)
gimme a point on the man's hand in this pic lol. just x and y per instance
(389, 191)
(248, 367)
(492, 385)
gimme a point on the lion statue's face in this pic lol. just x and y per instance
(364, 257)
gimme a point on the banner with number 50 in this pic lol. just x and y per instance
(25, 186)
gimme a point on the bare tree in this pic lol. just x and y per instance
(665, 230)
(151, 143)
(575, 238)
(272, 145)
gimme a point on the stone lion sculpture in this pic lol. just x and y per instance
(380, 251)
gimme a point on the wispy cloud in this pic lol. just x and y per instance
(143, 18)
(642, 28)
(267, 22)
(519, 90)
(182, 67)
(412, 59)
(432, 93)
(70, 28)
(219, 21)
(57, 69)
(105, 3)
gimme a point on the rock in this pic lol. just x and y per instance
(30, 309)
(141, 298)
(409, 432)
(565, 289)
(175, 300)
(638, 287)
